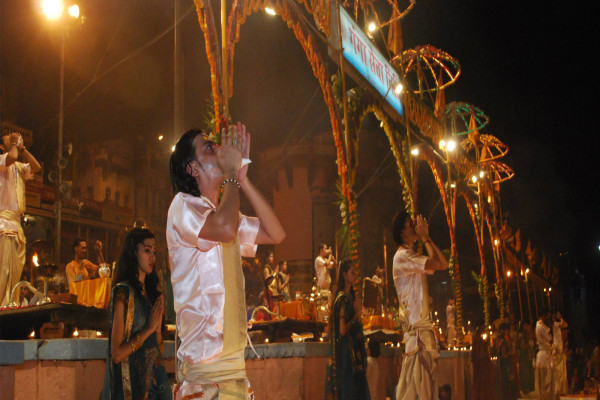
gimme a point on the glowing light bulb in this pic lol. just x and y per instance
(372, 27)
(161, 137)
(173, 148)
(451, 145)
(474, 178)
(481, 174)
(270, 11)
(52, 9)
(74, 11)
(398, 89)
(415, 151)
(442, 144)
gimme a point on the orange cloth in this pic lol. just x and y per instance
(74, 268)
(298, 310)
(93, 292)
(378, 322)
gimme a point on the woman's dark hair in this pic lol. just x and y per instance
(340, 283)
(398, 224)
(184, 153)
(268, 253)
(127, 266)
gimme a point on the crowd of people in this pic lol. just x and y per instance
(519, 360)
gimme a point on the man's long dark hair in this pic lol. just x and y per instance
(398, 224)
(181, 157)
(127, 266)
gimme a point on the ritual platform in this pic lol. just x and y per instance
(74, 369)
(17, 323)
(280, 330)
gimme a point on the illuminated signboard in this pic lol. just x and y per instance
(366, 59)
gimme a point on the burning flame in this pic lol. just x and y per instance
(35, 260)
(76, 333)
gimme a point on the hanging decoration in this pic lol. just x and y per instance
(427, 69)
(460, 117)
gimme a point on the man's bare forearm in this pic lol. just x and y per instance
(29, 158)
(227, 213)
(269, 223)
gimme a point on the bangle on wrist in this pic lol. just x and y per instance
(230, 180)
(136, 342)
(427, 241)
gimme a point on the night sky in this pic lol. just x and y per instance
(528, 65)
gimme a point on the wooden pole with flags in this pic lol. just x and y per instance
(225, 79)
(385, 268)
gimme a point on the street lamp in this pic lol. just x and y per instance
(54, 11)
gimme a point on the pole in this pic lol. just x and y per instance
(344, 95)
(537, 312)
(59, 153)
(528, 301)
(519, 290)
(224, 57)
(385, 268)
(176, 85)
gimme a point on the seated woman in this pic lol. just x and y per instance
(349, 358)
(134, 364)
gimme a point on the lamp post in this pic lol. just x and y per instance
(54, 10)
(527, 292)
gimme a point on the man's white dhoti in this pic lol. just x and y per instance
(544, 365)
(12, 256)
(418, 374)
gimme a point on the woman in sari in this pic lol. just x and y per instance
(134, 366)
(349, 358)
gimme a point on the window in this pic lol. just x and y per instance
(117, 197)
(107, 194)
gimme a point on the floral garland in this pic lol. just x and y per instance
(503, 305)
(207, 24)
(475, 218)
